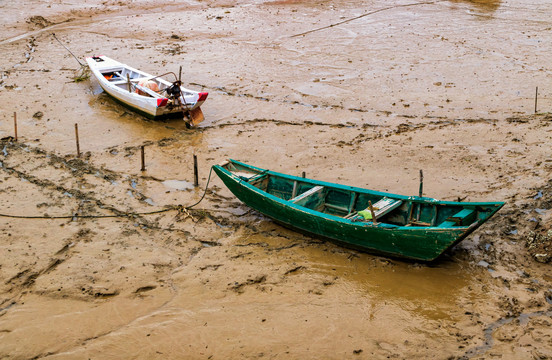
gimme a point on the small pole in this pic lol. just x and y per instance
(303, 174)
(15, 124)
(128, 81)
(143, 157)
(180, 73)
(536, 95)
(421, 183)
(196, 177)
(77, 139)
(372, 212)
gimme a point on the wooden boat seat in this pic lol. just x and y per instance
(311, 192)
(461, 218)
(245, 175)
(382, 207)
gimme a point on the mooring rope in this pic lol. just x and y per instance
(179, 208)
(81, 64)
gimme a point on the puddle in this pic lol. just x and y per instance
(178, 184)
(483, 263)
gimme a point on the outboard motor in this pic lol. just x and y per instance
(174, 89)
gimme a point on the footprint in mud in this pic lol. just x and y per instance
(101, 293)
(239, 287)
(143, 289)
(294, 270)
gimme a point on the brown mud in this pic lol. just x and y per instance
(365, 94)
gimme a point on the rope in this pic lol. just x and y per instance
(179, 208)
(54, 35)
(360, 16)
(205, 192)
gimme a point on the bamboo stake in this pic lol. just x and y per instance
(421, 183)
(536, 95)
(128, 81)
(196, 177)
(77, 139)
(143, 158)
(15, 124)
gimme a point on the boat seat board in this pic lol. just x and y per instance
(381, 207)
(244, 175)
(459, 218)
(315, 190)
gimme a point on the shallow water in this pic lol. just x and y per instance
(365, 94)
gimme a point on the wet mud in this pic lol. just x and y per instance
(100, 259)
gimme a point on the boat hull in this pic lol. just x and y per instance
(417, 243)
(154, 106)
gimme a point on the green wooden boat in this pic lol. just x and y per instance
(411, 227)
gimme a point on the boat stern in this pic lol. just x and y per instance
(193, 100)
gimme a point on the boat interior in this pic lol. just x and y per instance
(365, 206)
(121, 76)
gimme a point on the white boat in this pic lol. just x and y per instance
(146, 94)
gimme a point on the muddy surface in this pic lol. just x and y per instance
(365, 94)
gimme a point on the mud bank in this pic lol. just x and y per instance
(365, 94)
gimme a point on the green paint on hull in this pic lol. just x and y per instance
(391, 238)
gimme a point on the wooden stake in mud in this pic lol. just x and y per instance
(143, 157)
(372, 212)
(128, 81)
(421, 183)
(536, 95)
(15, 124)
(196, 177)
(303, 175)
(77, 139)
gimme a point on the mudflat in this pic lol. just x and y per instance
(359, 93)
